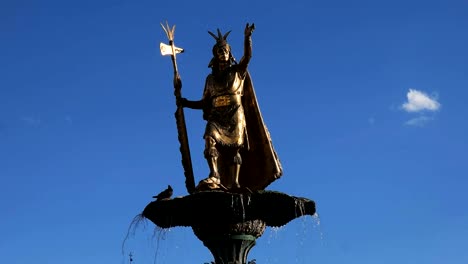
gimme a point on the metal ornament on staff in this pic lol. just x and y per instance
(172, 50)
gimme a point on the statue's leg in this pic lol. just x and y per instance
(211, 156)
(236, 169)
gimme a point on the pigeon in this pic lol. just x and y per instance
(166, 194)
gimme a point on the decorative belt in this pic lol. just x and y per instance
(225, 100)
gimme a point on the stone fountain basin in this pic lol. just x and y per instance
(203, 208)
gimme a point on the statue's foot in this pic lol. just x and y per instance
(212, 180)
(210, 183)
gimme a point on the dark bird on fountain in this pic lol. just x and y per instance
(164, 195)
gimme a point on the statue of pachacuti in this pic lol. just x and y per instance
(238, 147)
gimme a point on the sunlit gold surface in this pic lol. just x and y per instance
(238, 146)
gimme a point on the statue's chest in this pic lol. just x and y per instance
(231, 83)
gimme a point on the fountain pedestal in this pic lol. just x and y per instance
(230, 243)
(229, 223)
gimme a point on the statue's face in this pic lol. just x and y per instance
(222, 53)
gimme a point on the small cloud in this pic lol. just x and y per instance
(420, 101)
(31, 121)
(419, 121)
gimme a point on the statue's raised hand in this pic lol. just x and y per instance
(249, 29)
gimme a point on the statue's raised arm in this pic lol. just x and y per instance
(247, 46)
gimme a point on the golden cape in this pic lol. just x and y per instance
(260, 163)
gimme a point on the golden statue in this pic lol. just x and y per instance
(238, 147)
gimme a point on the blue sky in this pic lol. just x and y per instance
(365, 102)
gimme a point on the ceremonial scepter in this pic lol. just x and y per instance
(172, 50)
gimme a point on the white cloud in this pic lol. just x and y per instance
(420, 101)
(419, 121)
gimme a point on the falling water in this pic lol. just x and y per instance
(305, 229)
(274, 230)
(317, 226)
(307, 233)
(299, 206)
(237, 205)
(158, 235)
(275, 237)
(241, 197)
(139, 223)
(138, 220)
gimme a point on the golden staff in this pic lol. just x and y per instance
(172, 50)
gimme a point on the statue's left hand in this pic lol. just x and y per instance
(249, 29)
(181, 101)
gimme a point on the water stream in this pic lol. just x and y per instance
(132, 242)
(241, 198)
(317, 225)
(302, 235)
(138, 220)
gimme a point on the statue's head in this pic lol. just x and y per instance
(221, 50)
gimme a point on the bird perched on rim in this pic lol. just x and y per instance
(166, 194)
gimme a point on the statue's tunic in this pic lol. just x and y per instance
(226, 121)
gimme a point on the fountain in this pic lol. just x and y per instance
(230, 209)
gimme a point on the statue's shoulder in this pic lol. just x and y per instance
(209, 79)
(241, 71)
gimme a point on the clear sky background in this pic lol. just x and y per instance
(366, 102)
